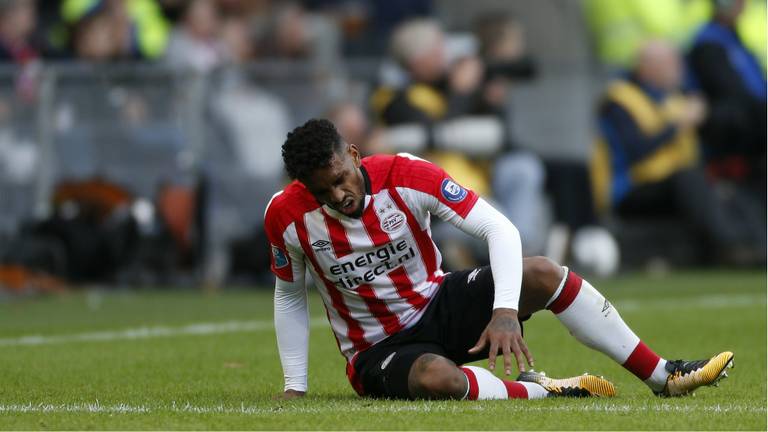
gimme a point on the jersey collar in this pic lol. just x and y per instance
(367, 180)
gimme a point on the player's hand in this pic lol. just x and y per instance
(696, 110)
(290, 394)
(504, 333)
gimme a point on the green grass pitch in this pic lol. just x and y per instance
(185, 360)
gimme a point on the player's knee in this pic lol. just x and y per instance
(435, 377)
(542, 274)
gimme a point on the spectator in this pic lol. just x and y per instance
(247, 110)
(435, 91)
(620, 27)
(93, 39)
(366, 25)
(647, 161)
(575, 225)
(17, 27)
(352, 123)
(297, 34)
(138, 28)
(734, 132)
(195, 42)
(246, 165)
(17, 24)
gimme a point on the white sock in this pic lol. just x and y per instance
(593, 321)
(485, 385)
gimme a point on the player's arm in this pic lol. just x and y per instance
(290, 303)
(503, 332)
(430, 189)
(292, 329)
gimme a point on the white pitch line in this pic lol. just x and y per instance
(716, 301)
(415, 407)
(204, 329)
(195, 329)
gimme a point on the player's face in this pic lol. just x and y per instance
(340, 186)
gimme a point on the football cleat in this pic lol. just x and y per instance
(579, 386)
(686, 376)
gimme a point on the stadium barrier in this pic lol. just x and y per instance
(143, 126)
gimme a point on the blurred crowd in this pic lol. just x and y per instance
(199, 33)
(679, 111)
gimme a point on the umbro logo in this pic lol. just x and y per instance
(606, 308)
(321, 245)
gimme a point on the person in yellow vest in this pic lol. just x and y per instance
(619, 27)
(138, 26)
(646, 160)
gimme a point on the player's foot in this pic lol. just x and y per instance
(686, 376)
(578, 386)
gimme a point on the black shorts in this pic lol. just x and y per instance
(451, 325)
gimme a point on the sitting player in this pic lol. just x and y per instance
(361, 228)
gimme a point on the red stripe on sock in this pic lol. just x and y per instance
(474, 389)
(642, 361)
(568, 294)
(515, 390)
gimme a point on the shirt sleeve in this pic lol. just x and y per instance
(419, 175)
(504, 249)
(292, 330)
(290, 302)
(286, 257)
(430, 189)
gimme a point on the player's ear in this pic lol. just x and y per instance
(354, 152)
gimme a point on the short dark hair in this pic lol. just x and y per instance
(309, 147)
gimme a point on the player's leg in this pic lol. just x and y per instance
(433, 376)
(456, 321)
(420, 370)
(592, 320)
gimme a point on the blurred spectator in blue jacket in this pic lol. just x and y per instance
(731, 78)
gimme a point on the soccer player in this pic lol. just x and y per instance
(360, 227)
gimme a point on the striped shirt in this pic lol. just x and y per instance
(375, 274)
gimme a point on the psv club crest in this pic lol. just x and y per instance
(393, 222)
(392, 219)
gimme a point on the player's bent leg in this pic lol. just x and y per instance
(541, 278)
(433, 376)
(593, 321)
(436, 377)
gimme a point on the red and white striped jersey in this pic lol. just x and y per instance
(376, 274)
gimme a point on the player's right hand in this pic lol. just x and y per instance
(504, 334)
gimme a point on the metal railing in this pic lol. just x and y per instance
(143, 125)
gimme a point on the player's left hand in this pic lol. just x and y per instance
(504, 332)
